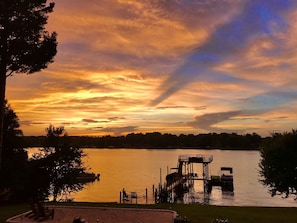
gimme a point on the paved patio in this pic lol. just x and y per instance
(102, 215)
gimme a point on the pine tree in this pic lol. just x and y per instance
(25, 45)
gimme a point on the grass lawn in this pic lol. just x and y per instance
(195, 213)
(9, 210)
(205, 214)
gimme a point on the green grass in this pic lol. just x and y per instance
(9, 210)
(206, 214)
(195, 213)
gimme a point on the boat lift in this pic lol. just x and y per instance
(183, 179)
(188, 160)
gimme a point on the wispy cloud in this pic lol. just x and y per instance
(175, 66)
(256, 21)
(208, 121)
(231, 121)
(117, 131)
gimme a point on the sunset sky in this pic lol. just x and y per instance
(171, 66)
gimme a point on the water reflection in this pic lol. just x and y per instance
(139, 169)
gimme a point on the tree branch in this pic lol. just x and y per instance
(9, 74)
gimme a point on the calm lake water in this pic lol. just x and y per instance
(139, 169)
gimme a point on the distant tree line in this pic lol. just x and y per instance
(158, 140)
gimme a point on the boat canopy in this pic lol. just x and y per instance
(227, 169)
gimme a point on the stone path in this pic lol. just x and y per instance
(103, 215)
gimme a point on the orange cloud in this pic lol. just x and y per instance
(114, 56)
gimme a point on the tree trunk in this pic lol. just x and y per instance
(2, 104)
(3, 64)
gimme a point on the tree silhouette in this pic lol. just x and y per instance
(25, 45)
(55, 170)
(278, 164)
(13, 176)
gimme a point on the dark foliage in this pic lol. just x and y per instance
(54, 171)
(13, 173)
(29, 47)
(25, 45)
(12, 132)
(279, 164)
